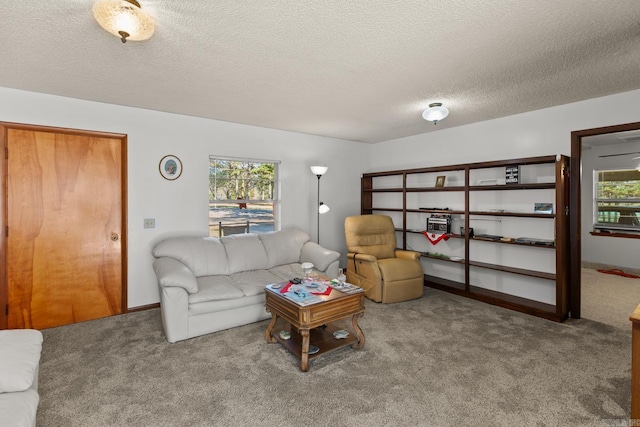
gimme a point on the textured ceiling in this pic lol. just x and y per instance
(352, 69)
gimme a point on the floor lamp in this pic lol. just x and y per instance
(322, 208)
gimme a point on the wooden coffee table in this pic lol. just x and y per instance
(311, 324)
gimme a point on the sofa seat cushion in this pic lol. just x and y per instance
(253, 282)
(288, 271)
(213, 288)
(19, 358)
(244, 252)
(19, 409)
(208, 307)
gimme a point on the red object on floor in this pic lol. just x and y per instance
(619, 273)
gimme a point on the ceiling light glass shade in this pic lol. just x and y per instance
(124, 19)
(435, 112)
(323, 209)
(319, 170)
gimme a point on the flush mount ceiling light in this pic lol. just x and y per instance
(124, 19)
(435, 112)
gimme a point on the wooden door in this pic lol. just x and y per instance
(65, 243)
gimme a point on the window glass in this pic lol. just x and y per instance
(243, 196)
(617, 199)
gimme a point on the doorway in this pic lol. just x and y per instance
(575, 209)
(63, 245)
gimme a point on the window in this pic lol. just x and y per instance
(243, 196)
(617, 199)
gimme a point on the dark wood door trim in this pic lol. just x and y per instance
(4, 127)
(575, 207)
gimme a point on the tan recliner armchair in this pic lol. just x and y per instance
(387, 274)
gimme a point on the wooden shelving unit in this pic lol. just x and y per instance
(419, 183)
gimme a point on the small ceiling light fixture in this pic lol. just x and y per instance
(435, 112)
(124, 19)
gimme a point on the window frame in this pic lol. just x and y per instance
(275, 200)
(633, 210)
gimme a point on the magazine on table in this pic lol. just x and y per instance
(296, 293)
(345, 287)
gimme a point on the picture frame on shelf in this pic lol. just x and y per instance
(543, 208)
(512, 175)
(170, 167)
(440, 180)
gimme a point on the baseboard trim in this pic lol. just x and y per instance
(143, 307)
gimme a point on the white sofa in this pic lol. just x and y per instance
(208, 284)
(19, 365)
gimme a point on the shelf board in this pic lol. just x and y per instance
(523, 305)
(500, 187)
(445, 284)
(444, 211)
(514, 270)
(513, 214)
(387, 209)
(428, 189)
(426, 255)
(529, 245)
(383, 190)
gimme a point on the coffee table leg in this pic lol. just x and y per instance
(267, 334)
(354, 320)
(304, 359)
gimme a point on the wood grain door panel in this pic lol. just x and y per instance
(64, 216)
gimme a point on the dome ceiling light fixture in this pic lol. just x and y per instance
(124, 19)
(435, 113)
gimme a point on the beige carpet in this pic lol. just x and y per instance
(442, 360)
(608, 298)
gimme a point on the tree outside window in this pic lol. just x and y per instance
(243, 196)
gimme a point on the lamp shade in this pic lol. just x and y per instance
(322, 208)
(319, 170)
(124, 19)
(435, 112)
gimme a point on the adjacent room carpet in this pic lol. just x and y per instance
(442, 360)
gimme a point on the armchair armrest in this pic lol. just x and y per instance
(362, 257)
(173, 273)
(400, 253)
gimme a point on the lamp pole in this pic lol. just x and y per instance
(318, 212)
(319, 171)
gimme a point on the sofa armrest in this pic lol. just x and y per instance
(400, 253)
(320, 257)
(172, 273)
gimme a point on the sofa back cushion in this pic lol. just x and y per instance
(284, 246)
(245, 252)
(205, 256)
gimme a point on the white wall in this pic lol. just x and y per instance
(536, 133)
(180, 207)
(613, 251)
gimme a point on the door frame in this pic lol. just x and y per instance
(4, 127)
(575, 207)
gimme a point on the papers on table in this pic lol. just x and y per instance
(345, 287)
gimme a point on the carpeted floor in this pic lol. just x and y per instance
(441, 360)
(608, 298)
